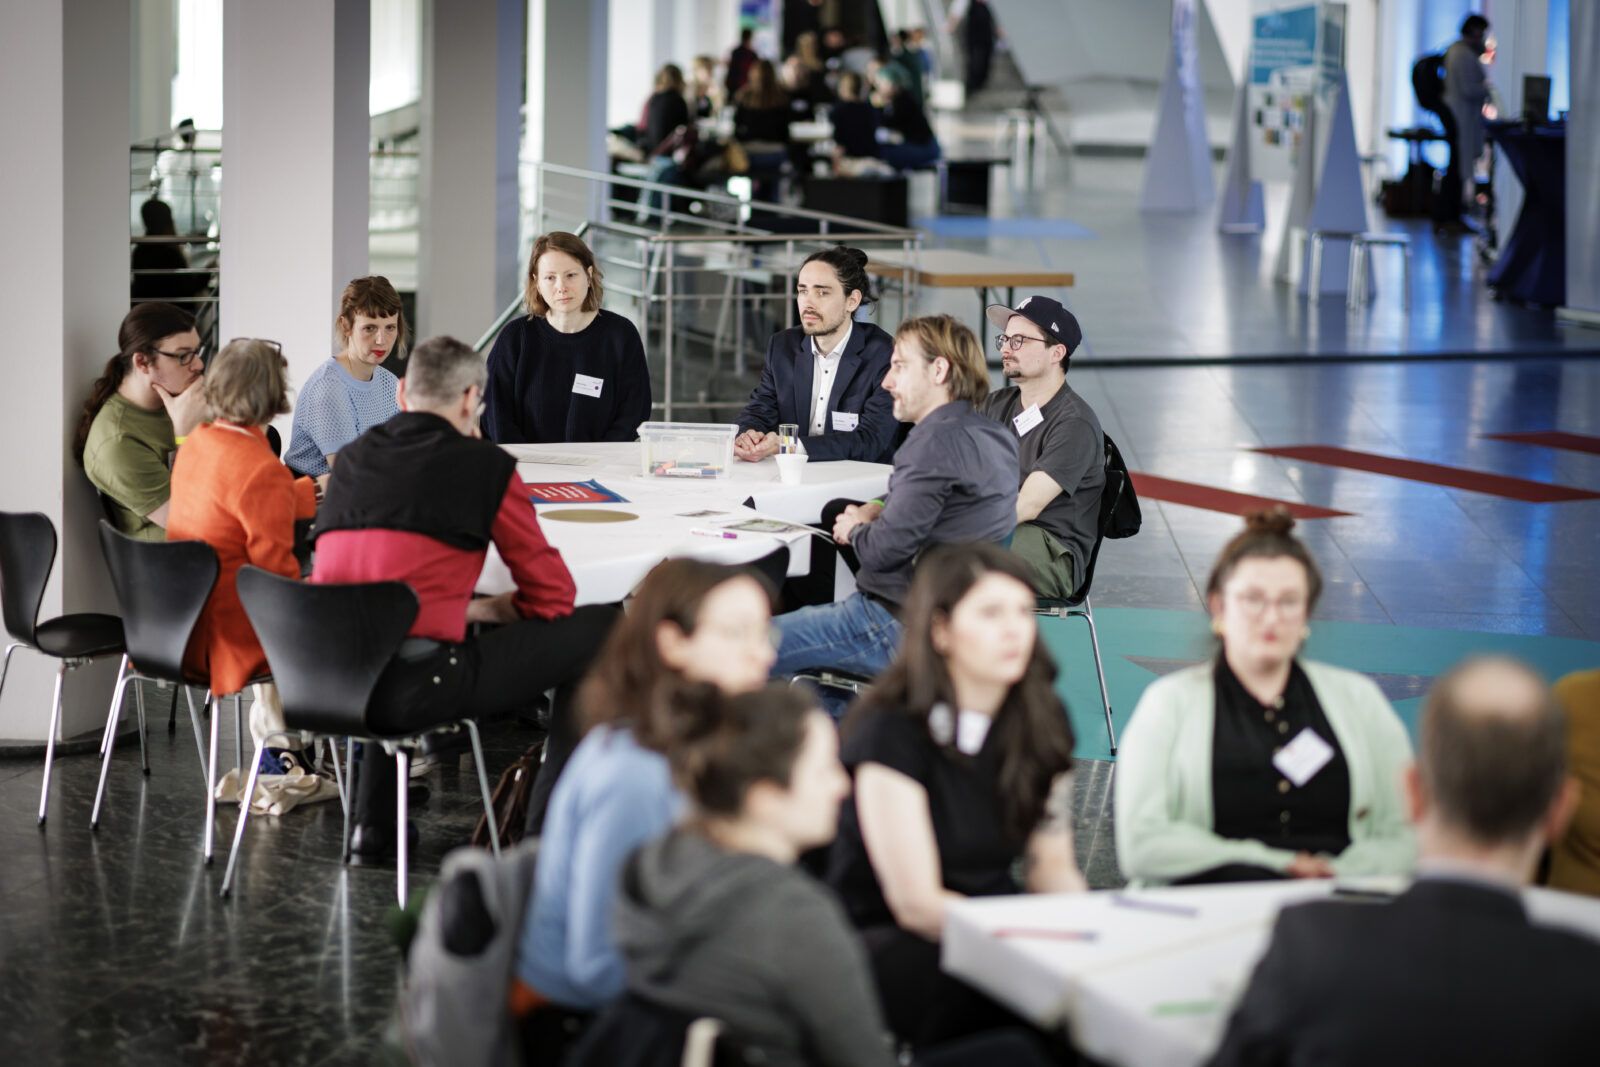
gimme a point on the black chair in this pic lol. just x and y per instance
(774, 566)
(109, 510)
(328, 645)
(1077, 606)
(636, 1032)
(162, 587)
(27, 552)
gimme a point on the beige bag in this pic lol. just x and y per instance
(737, 159)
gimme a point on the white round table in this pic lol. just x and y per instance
(608, 559)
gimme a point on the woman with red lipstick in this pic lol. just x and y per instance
(1260, 764)
(569, 370)
(961, 754)
(352, 392)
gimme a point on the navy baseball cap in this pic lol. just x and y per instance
(1055, 320)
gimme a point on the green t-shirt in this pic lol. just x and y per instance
(128, 458)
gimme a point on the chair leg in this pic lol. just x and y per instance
(402, 763)
(105, 750)
(238, 730)
(1100, 671)
(350, 777)
(50, 743)
(138, 705)
(338, 775)
(244, 816)
(215, 704)
(172, 712)
(199, 734)
(483, 786)
(5, 668)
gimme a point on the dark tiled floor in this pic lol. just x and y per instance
(116, 948)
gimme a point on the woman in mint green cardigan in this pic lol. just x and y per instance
(1260, 765)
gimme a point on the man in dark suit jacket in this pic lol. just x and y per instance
(825, 375)
(1451, 971)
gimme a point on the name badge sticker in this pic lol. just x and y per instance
(1302, 758)
(844, 421)
(584, 384)
(1028, 420)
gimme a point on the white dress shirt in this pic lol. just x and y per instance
(823, 368)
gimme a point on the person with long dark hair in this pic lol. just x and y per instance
(714, 919)
(690, 625)
(1204, 791)
(138, 412)
(962, 757)
(174, 281)
(826, 374)
(569, 370)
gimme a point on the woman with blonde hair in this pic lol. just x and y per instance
(1260, 764)
(230, 491)
(351, 392)
(569, 370)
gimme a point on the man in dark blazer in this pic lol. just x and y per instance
(826, 374)
(1451, 971)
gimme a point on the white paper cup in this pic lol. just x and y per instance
(791, 467)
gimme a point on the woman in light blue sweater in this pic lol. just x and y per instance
(1259, 764)
(691, 623)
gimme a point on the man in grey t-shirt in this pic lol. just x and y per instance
(1060, 445)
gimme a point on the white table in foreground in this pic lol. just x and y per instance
(1150, 985)
(608, 560)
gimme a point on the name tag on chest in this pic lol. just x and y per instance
(587, 386)
(1028, 420)
(844, 421)
(1302, 758)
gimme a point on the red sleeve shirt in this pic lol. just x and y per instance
(443, 576)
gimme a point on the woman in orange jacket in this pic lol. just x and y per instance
(230, 491)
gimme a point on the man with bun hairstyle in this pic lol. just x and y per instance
(1453, 970)
(1060, 445)
(824, 374)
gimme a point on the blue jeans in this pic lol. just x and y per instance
(857, 635)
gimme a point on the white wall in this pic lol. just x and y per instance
(63, 292)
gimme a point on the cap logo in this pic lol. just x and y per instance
(1025, 302)
(1054, 328)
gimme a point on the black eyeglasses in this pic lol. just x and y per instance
(1013, 341)
(183, 359)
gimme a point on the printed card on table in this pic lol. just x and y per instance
(590, 492)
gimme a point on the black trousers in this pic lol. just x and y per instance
(501, 671)
(816, 586)
(1447, 201)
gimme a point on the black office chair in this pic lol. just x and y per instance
(27, 552)
(1077, 606)
(162, 587)
(327, 646)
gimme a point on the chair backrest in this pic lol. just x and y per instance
(1116, 483)
(636, 1032)
(275, 441)
(774, 566)
(27, 552)
(326, 644)
(162, 587)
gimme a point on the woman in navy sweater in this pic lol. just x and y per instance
(569, 371)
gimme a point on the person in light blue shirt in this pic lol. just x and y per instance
(350, 393)
(693, 627)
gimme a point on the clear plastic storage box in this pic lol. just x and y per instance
(686, 449)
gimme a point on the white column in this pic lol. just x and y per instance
(641, 40)
(294, 157)
(63, 292)
(1583, 168)
(472, 65)
(566, 106)
(155, 60)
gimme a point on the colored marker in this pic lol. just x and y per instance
(1122, 900)
(1048, 935)
(721, 535)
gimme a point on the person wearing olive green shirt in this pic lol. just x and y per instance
(138, 413)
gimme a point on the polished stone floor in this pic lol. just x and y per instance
(115, 948)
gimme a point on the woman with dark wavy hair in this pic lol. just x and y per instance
(961, 754)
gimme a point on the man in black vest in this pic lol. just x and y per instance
(419, 499)
(1452, 970)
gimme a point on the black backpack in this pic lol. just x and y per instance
(1125, 518)
(1427, 81)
